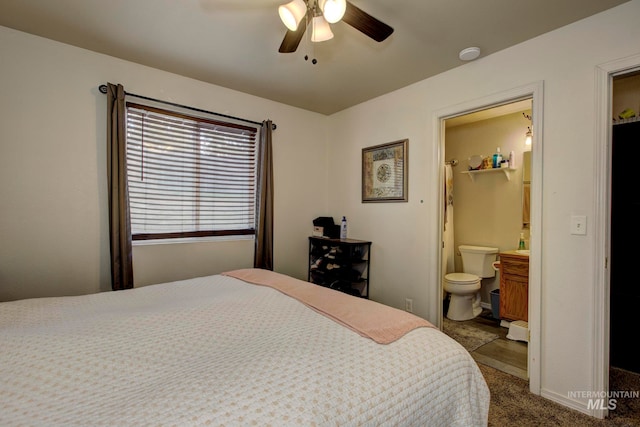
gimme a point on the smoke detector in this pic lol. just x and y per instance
(469, 54)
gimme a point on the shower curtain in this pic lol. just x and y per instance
(448, 258)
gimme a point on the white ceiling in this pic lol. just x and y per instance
(234, 43)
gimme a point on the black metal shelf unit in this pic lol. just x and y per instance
(341, 264)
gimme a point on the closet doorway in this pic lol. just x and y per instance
(610, 324)
(624, 293)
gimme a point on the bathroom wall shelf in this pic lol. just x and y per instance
(472, 174)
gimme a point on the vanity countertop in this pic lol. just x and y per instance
(517, 252)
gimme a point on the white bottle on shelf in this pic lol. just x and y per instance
(512, 160)
(343, 228)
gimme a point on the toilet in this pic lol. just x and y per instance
(477, 264)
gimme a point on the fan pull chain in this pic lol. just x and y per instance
(307, 39)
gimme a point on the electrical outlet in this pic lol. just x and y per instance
(408, 305)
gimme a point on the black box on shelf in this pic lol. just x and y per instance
(324, 226)
(332, 231)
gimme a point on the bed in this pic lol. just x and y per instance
(247, 347)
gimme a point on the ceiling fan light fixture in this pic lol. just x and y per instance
(333, 10)
(321, 31)
(292, 13)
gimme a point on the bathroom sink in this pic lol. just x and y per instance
(522, 251)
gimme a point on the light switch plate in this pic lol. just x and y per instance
(579, 225)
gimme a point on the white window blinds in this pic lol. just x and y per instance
(189, 176)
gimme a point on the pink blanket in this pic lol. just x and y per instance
(381, 323)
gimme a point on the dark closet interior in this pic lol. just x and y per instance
(625, 211)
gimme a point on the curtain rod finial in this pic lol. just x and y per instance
(102, 88)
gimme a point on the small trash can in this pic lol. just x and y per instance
(495, 303)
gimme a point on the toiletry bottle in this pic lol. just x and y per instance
(497, 158)
(521, 244)
(343, 228)
(512, 159)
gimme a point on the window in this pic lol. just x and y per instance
(189, 176)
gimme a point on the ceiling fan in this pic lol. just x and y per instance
(321, 13)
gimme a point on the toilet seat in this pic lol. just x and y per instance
(461, 278)
(464, 302)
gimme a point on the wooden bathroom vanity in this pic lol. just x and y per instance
(514, 285)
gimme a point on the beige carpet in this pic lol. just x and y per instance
(513, 405)
(470, 337)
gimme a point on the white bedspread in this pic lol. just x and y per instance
(218, 351)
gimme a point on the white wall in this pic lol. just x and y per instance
(405, 236)
(626, 94)
(53, 191)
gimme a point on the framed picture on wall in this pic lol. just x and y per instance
(385, 172)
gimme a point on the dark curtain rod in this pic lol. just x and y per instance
(103, 89)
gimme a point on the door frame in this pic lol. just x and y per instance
(535, 92)
(602, 210)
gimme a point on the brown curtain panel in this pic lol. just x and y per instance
(263, 255)
(119, 220)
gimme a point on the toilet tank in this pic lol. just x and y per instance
(478, 260)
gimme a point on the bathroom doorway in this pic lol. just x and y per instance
(503, 193)
(533, 94)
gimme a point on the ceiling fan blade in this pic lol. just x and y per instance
(292, 38)
(365, 23)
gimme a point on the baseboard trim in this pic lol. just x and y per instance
(566, 401)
